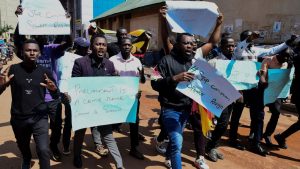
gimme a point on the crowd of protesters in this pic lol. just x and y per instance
(36, 97)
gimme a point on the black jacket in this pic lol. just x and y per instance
(168, 67)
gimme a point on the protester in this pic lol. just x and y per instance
(246, 51)
(224, 52)
(176, 106)
(95, 64)
(29, 113)
(114, 47)
(281, 138)
(81, 46)
(127, 65)
(278, 61)
(49, 54)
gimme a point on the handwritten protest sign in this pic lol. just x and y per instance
(64, 69)
(102, 100)
(209, 88)
(192, 16)
(279, 81)
(241, 74)
(43, 17)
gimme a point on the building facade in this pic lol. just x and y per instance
(275, 19)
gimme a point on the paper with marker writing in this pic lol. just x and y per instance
(192, 17)
(100, 101)
(209, 88)
(241, 74)
(279, 82)
(43, 17)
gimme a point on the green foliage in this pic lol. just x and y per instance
(5, 28)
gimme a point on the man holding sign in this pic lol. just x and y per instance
(95, 65)
(175, 106)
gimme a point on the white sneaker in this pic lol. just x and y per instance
(160, 146)
(200, 163)
(168, 164)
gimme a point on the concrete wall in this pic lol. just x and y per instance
(7, 12)
(239, 15)
(262, 15)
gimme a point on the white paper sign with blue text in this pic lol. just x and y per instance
(209, 88)
(98, 101)
(195, 17)
(43, 17)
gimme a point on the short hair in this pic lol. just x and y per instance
(126, 38)
(287, 52)
(30, 41)
(119, 29)
(245, 34)
(180, 35)
(225, 39)
(97, 36)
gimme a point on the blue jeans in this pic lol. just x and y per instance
(174, 122)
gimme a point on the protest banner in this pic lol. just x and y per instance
(64, 69)
(241, 74)
(209, 88)
(43, 17)
(279, 82)
(192, 16)
(100, 101)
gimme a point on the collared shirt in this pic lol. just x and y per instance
(127, 67)
(218, 56)
(242, 52)
(98, 66)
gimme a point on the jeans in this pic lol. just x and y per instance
(162, 134)
(36, 125)
(174, 122)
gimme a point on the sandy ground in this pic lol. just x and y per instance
(10, 157)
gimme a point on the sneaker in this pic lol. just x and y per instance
(200, 163)
(212, 154)
(168, 164)
(160, 146)
(280, 141)
(25, 165)
(220, 155)
(56, 155)
(103, 152)
(66, 152)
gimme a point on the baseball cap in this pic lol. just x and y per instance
(83, 42)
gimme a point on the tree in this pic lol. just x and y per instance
(5, 28)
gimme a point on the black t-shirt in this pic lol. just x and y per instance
(113, 49)
(26, 91)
